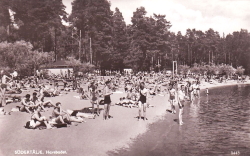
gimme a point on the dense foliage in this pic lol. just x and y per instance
(98, 36)
(20, 56)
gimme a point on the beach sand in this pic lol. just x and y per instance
(96, 136)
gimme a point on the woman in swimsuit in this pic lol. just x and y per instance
(107, 100)
(142, 101)
(196, 87)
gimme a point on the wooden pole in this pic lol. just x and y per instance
(91, 55)
(80, 45)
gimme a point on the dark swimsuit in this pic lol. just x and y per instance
(94, 96)
(74, 113)
(142, 98)
(107, 99)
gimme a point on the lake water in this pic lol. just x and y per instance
(218, 124)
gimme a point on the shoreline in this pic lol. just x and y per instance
(229, 83)
(95, 137)
(166, 116)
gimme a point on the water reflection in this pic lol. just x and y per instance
(220, 122)
(194, 107)
(207, 98)
(213, 125)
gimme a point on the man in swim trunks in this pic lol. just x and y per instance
(180, 99)
(172, 94)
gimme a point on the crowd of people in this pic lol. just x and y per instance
(139, 88)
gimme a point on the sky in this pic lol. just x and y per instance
(224, 16)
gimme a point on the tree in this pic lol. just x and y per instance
(148, 40)
(226, 70)
(5, 20)
(94, 19)
(37, 20)
(120, 41)
(19, 56)
(78, 66)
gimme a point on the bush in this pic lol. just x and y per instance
(183, 69)
(212, 69)
(240, 70)
(20, 57)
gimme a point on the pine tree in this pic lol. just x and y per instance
(38, 20)
(119, 40)
(94, 19)
(5, 20)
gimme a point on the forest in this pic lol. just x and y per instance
(32, 34)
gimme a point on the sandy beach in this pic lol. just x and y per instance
(96, 136)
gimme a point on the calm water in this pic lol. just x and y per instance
(215, 125)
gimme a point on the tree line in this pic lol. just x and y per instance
(101, 37)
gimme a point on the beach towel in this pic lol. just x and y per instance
(78, 97)
(118, 92)
(86, 110)
(16, 109)
(60, 125)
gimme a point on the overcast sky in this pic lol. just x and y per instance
(221, 15)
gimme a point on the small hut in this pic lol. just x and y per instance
(60, 67)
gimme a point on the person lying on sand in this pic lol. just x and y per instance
(130, 99)
(78, 113)
(121, 101)
(61, 116)
(38, 120)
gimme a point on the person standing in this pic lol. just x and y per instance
(190, 88)
(107, 100)
(2, 95)
(94, 97)
(3, 88)
(5, 78)
(142, 101)
(181, 100)
(172, 94)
